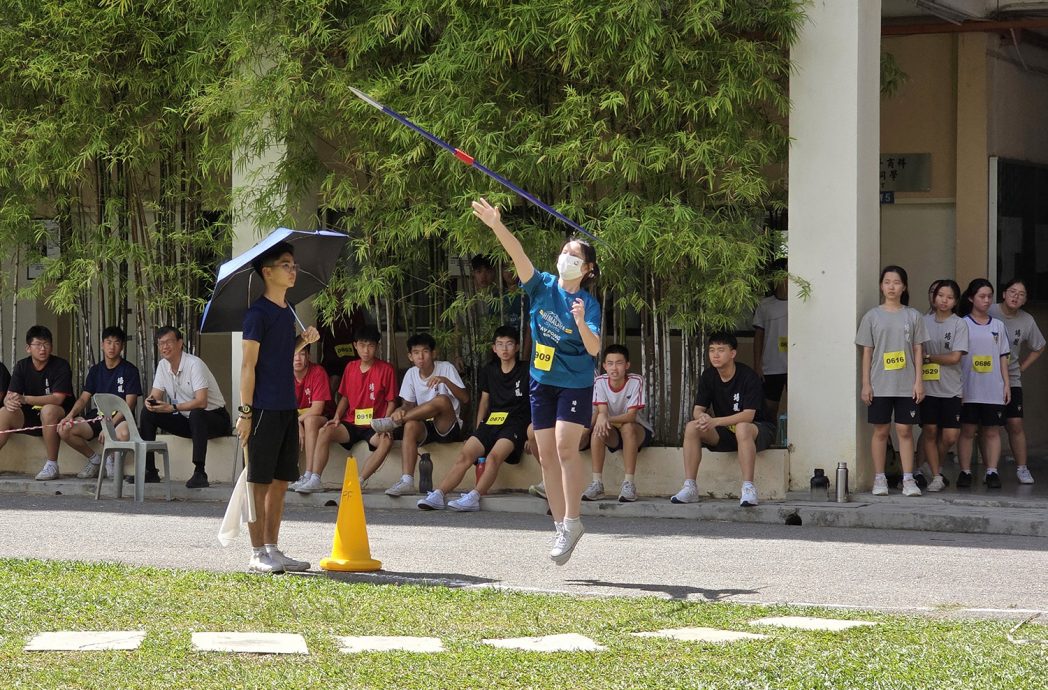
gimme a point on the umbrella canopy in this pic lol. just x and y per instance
(237, 285)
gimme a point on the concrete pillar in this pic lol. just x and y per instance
(834, 236)
(973, 156)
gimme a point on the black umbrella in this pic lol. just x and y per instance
(237, 285)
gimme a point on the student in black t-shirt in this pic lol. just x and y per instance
(268, 422)
(729, 415)
(503, 416)
(40, 393)
(115, 375)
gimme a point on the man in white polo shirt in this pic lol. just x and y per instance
(185, 401)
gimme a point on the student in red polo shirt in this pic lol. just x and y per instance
(367, 391)
(315, 407)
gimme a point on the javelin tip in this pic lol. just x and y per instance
(366, 98)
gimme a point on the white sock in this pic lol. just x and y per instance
(270, 547)
(689, 482)
(51, 462)
(880, 475)
(572, 523)
(475, 493)
(407, 478)
(314, 474)
(258, 550)
(907, 476)
(990, 471)
(598, 477)
(628, 478)
(749, 484)
(95, 459)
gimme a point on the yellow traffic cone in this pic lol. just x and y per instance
(351, 551)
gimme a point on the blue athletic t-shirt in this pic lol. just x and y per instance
(122, 380)
(560, 357)
(273, 328)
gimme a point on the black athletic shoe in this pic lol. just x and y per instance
(198, 481)
(152, 477)
(964, 480)
(922, 483)
(993, 480)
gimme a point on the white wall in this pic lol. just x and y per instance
(919, 237)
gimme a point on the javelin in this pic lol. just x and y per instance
(469, 160)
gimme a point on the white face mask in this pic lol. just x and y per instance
(569, 267)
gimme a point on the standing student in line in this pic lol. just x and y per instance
(892, 338)
(986, 383)
(770, 342)
(565, 329)
(1023, 334)
(941, 373)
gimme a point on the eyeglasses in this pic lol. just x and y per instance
(167, 342)
(39, 344)
(1015, 293)
(289, 267)
(505, 346)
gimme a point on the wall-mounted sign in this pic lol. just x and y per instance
(906, 172)
(48, 248)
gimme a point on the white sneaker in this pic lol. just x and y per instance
(937, 484)
(89, 471)
(628, 492)
(1023, 473)
(288, 564)
(434, 500)
(310, 485)
(466, 503)
(401, 487)
(565, 542)
(689, 493)
(263, 563)
(49, 472)
(880, 486)
(293, 486)
(910, 488)
(537, 490)
(558, 527)
(594, 491)
(749, 496)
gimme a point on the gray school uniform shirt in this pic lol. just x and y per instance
(944, 380)
(1023, 336)
(892, 335)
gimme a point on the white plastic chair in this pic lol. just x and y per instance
(108, 405)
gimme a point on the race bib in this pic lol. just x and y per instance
(982, 364)
(497, 418)
(346, 350)
(364, 416)
(783, 344)
(930, 372)
(894, 360)
(543, 357)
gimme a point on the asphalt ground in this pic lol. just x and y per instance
(933, 573)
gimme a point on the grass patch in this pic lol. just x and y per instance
(37, 596)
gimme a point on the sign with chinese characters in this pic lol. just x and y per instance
(906, 172)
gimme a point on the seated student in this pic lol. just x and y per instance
(40, 393)
(115, 375)
(313, 399)
(619, 422)
(366, 383)
(503, 416)
(194, 407)
(433, 393)
(729, 415)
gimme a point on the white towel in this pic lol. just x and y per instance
(239, 512)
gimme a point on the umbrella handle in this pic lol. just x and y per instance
(297, 320)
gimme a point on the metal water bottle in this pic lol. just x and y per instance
(425, 473)
(842, 482)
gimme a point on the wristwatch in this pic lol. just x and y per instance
(244, 410)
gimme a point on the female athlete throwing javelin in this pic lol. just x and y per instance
(565, 330)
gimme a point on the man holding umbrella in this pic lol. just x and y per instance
(268, 421)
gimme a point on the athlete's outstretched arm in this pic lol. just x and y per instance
(491, 217)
